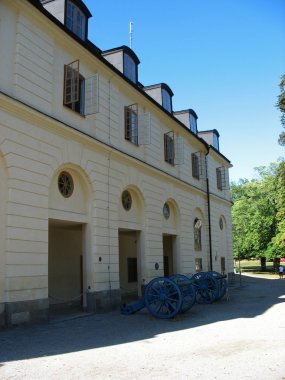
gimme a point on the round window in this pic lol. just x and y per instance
(65, 184)
(221, 223)
(126, 200)
(166, 211)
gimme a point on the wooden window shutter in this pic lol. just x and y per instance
(144, 128)
(178, 150)
(91, 95)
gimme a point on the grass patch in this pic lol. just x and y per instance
(253, 266)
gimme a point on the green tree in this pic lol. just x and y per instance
(255, 213)
(278, 242)
(281, 106)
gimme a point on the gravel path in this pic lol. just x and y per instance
(239, 338)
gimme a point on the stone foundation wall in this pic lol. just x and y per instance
(100, 302)
(26, 311)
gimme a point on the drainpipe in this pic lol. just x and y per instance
(209, 211)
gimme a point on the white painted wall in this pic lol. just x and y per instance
(36, 147)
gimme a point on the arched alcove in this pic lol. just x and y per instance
(170, 217)
(131, 215)
(69, 261)
(3, 223)
(199, 231)
(221, 256)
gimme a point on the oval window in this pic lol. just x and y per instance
(166, 211)
(126, 200)
(65, 184)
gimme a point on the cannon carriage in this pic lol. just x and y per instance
(166, 297)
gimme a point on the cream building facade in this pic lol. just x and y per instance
(102, 185)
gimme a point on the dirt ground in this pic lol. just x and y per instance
(239, 338)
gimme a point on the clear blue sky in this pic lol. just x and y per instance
(223, 58)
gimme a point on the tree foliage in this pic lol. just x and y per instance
(259, 213)
(281, 106)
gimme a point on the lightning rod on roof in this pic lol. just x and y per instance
(131, 34)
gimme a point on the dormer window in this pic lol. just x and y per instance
(125, 60)
(72, 13)
(211, 137)
(166, 100)
(189, 118)
(216, 141)
(162, 94)
(193, 123)
(130, 70)
(75, 20)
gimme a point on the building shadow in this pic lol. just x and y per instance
(80, 332)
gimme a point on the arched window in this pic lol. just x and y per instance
(197, 234)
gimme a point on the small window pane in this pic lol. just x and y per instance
(193, 124)
(75, 20)
(130, 68)
(166, 100)
(216, 141)
(221, 178)
(195, 166)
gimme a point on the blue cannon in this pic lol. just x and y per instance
(165, 297)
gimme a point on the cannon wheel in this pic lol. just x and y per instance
(187, 290)
(163, 298)
(222, 284)
(207, 288)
